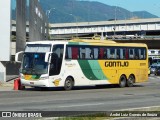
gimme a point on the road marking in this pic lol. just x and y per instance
(81, 105)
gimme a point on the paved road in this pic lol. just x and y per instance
(106, 98)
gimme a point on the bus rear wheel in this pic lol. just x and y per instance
(130, 81)
(68, 85)
(122, 81)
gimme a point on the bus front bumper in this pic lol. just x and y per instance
(35, 83)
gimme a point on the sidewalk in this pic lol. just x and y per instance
(7, 86)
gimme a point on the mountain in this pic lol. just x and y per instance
(144, 14)
(65, 11)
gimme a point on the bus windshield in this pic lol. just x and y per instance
(34, 63)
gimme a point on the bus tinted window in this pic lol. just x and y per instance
(131, 53)
(56, 59)
(104, 53)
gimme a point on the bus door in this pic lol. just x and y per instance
(56, 60)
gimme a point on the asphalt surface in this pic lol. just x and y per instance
(81, 98)
(104, 98)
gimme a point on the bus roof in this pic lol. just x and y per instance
(89, 42)
(105, 43)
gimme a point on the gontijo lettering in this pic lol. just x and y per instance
(116, 64)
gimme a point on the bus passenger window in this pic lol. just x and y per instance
(83, 56)
(105, 54)
(101, 53)
(118, 54)
(122, 53)
(136, 57)
(126, 54)
(142, 53)
(68, 53)
(92, 54)
(95, 53)
(131, 54)
(144, 50)
(136, 54)
(82, 53)
(75, 53)
(112, 54)
(88, 53)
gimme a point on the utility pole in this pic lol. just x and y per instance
(115, 18)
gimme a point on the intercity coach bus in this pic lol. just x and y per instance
(81, 62)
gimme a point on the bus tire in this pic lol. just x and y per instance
(69, 83)
(122, 81)
(130, 81)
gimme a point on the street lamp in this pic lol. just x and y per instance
(47, 15)
(76, 23)
(48, 12)
(74, 17)
(124, 15)
(115, 17)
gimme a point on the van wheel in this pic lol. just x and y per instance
(130, 81)
(68, 85)
(122, 81)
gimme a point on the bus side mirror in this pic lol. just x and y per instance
(18, 58)
(47, 55)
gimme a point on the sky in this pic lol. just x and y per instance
(152, 6)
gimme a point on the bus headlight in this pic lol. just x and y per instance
(44, 78)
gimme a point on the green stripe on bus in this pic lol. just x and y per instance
(86, 69)
(73, 43)
(97, 70)
(77, 43)
(91, 69)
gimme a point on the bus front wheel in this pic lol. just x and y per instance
(130, 81)
(122, 81)
(68, 85)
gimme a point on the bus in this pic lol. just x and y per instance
(82, 62)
